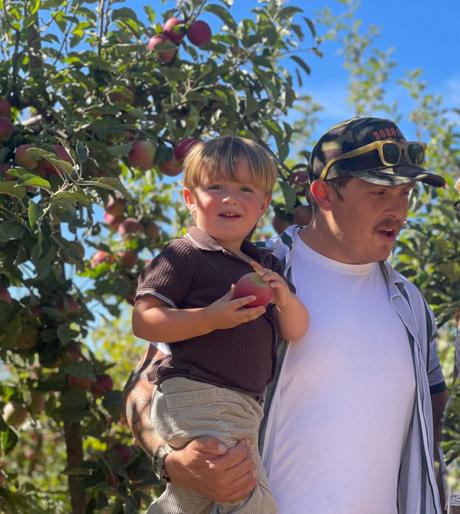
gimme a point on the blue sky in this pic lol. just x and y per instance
(423, 33)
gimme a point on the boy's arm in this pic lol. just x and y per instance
(293, 318)
(153, 320)
(204, 465)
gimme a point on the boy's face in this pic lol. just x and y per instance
(228, 210)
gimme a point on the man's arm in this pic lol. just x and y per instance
(438, 403)
(204, 465)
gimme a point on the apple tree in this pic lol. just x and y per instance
(99, 104)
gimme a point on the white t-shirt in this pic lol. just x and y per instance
(346, 394)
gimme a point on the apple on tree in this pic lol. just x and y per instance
(141, 155)
(112, 221)
(6, 129)
(78, 382)
(5, 295)
(199, 33)
(5, 108)
(30, 334)
(171, 167)
(164, 48)
(68, 305)
(174, 29)
(302, 215)
(24, 159)
(127, 258)
(115, 205)
(182, 147)
(252, 284)
(129, 227)
(99, 257)
(102, 386)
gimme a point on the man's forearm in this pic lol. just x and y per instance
(137, 397)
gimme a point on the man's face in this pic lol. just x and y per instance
(366, 221)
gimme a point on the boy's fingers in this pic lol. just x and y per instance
(257, 267)
(241, 302)
(229, 294)
(251, 313)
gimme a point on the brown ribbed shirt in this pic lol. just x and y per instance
(194, 271)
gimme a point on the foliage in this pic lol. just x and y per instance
(84, 91)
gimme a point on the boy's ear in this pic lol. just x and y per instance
(189, 199)
(268, 199)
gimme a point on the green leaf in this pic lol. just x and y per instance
(11, 231)
(311, 26)
(301, 63)
(289, 194)
(82, 153)
(120, 150)
(9, 440)
(124, 12)
(110, 183)
(287, 12)
(64, 166)
(34, 213)
(72, 196)
(223, 14)
(11, 189)
(29, 179)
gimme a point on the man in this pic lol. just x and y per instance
(349, 423)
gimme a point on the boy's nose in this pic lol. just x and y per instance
(229, 197)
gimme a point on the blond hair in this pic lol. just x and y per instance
(219, 158)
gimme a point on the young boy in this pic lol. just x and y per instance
(222, 353)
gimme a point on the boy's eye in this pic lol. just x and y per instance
(213, 186)
(247, 188)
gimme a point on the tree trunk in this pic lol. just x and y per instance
(74, 446)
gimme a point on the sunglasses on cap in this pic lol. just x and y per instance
(390, 154)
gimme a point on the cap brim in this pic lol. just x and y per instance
(398, 175)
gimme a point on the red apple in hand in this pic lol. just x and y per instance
(252, 284)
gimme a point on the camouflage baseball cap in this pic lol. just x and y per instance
(371, 149)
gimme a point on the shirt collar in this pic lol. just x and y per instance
(204, 241)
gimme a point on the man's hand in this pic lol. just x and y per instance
(207, 467)
(227, 313)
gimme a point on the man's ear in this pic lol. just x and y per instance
(321, 193)
(189, 199)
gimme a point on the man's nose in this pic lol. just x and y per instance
(398, 207)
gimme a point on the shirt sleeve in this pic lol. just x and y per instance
(435, 374)
(169, 275)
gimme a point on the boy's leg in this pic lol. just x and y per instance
(187, 409)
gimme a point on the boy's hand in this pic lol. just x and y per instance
(282, 295)
(227, 313)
